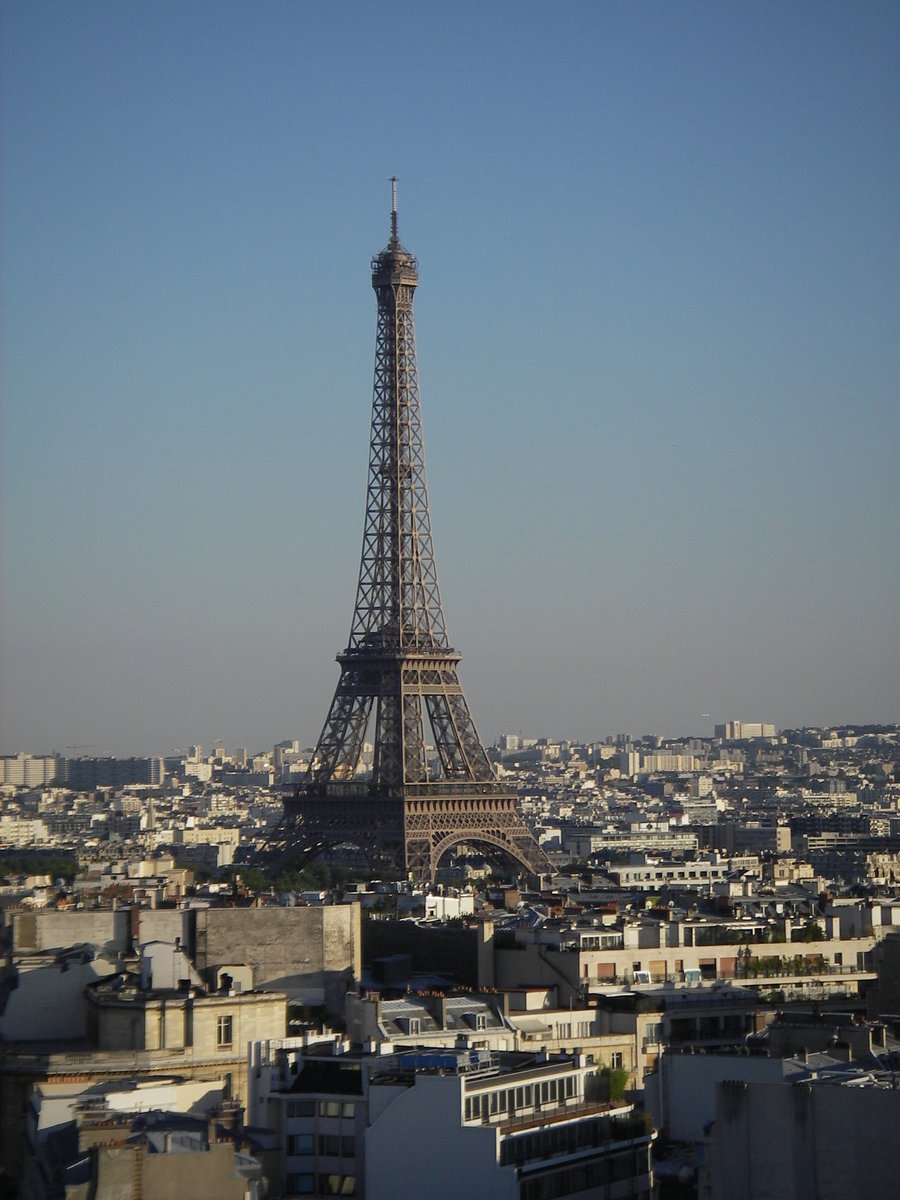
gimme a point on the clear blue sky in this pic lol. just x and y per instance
(657, 323)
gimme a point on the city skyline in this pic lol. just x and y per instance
(657, 343)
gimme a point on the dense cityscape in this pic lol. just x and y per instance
(714, 956)
(402, 963)
(415, 965)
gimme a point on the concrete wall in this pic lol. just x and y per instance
(803, 1142)
(681, 1094)
(885, 998)
(416, 1145)
(163, 925)
(104, 929)
(48, 1003)
(312, 954)
(123, 1172)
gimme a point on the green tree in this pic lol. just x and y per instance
(57, 866)
(812, 933)
(615, 1080)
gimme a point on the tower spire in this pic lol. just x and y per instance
(394, 237)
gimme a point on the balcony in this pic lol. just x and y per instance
(589, 1129)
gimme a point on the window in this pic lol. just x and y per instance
(615, 1060)
(301, 1108)
(348, 1109)
(300, 1143)
(337, 1185)
(223, 1033)
(302, 1185)
(330, 1144)
(329, 1108)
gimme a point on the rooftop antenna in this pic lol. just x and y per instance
(394, 208)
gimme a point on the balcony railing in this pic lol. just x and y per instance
(770, 969)
(605, 1132)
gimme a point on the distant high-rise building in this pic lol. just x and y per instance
(29, 770)
(739, 731)
(85, 774)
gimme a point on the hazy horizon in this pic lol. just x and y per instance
(657, 339)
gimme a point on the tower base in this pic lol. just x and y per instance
(410, 832)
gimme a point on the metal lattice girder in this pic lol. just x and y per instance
(399, 673)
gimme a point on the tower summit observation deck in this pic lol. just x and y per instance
(398, 670)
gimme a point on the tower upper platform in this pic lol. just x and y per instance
(394, 264)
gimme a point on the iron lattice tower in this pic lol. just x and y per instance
(398, 667)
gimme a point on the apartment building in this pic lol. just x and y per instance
(157, 1018)
(650, 875)
(451, 1122)
(585, 959)
(525, 1019)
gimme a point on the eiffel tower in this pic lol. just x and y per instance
(409, 811)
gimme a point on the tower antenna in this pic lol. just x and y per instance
(394, 208)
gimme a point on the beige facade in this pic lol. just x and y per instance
(129, 1172)
(162, 1165)
(195, 1035)
(204, 1025)
(681, 952)
(312, 953)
